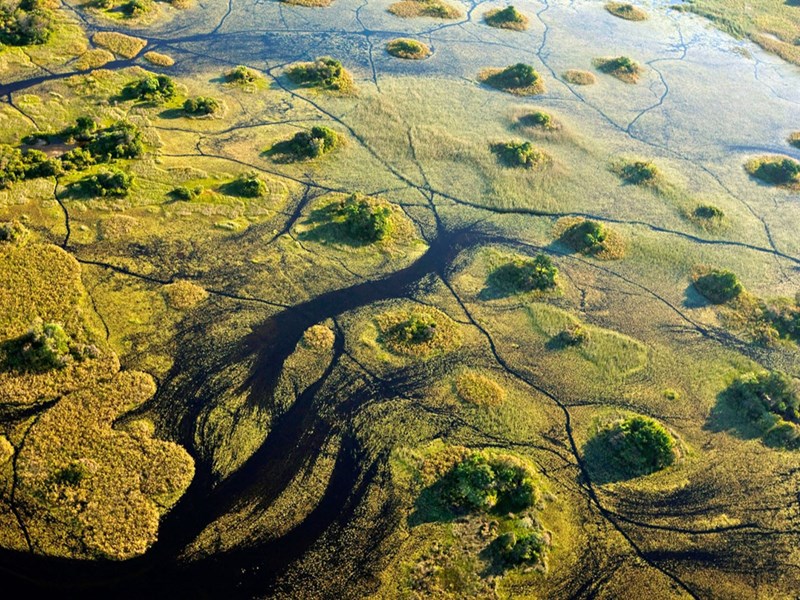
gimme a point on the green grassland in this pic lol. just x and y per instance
(331, 335)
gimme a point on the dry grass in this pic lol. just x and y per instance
(489, 77)
(629, 72)
(478, 389)
(408, 49)
(579, 77)
(93, 59)
(626, 11)
(124, 45)
(445, 332)
(156, 58)
(184, 295)
(789, 52)
(309, 3)
(435, 9)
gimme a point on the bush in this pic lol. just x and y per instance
(718, 286)
(520, 154)
(408, 49)
(77, 159)
(574, 335)
(12, 231)
(134, 8)
(638, 172)
(106, 183)
(516, 77)
(621, 67)
(586, 236)
(775, 170)
(506, 18)
(538, 119)
(26, 23)
(307, 145)
(794, 139)
(365, 219)
(16, 165)
(708, 212)
(152, 88)
(523, 546)
(418, 329)
(200, 106)
(46, 346)
(640, 445)
(241, 74)
(248, 186)
(774, 392)
(186, 194)
(121, 140)
(324, 73)
(526, 275)
(499, 484)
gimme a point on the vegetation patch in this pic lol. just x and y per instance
(639, 172)
(718, 286)
(522, 275)
(474, 388)
(201, 106)
(16, 165)
(155, 89)
(126, 46)
(621, 67)
(767, 403)
(794, 139)
(306, 145)
(324, 73)
(247, 185)
(44, 347)
(309, 3)
(159, 59)
(104, 183)
(417, 332)
(184, 295)
(506, 18)
(590, 237)
(435, 9)
(629, 448)
(519, 79)
(241, 75)
(708, 216)
(539, 120)
(521, 154)
(25, 22)
(626, 11)
(579, 77)
(781, 171)
(408, 49)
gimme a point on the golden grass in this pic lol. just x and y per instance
(608, 65)
(446, 335)
(93, 59)
(126, 46)
(435, 9)
(789, 52)
(184, 295)
(408, 49)
(156, 58)
(579, 77)
(319, 337)
(475, 388)
(626, 11)
(494, 18)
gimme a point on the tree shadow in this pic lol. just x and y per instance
(172, 113)
(601, 462)
(692, 298)
(430, 508)
(325, 229)
(727, 417)
(500, 283)
(284, 152)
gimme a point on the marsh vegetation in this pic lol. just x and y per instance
(408, 49)
(623, 68)
(519, 79)
(506, 18)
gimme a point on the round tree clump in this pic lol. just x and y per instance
(241, 75)
(201, 106)
(522, 275)
(408, 49)
(767, 391)
(708, 211)
(637, 446)
(520, 154)
(638, 172)
(506, 18)
(626, 11)
(435, 9)
(105, 183)
(621, 67)
(780, 171)
(319, 338)
(590, 237)
(474, 388)
(156, 89)
(519, 79)
(539, 120)
(306, 145)
(248, 185)
(718, 286)
(579, 77)
(135, 8)
(417, 332)
(367, 220)
(325, 73)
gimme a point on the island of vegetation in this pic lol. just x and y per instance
(309, 3)
(621, 67)
(408, 49)
(718, 286)
(201, 106)
(579, 77)
(156, 89)
(539, 120)
(626, 11)
(241, 75)
(324, 73)
(522, 275)
(519, 79)
(520, 154)
(474, 388)
(435, 9)
(781, 171)
(590, 237)
(794, 139)
(639, 172)
(306, 145)
(506, 18)
(418, 332)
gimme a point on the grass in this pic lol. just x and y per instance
(520, 154)
(435, 9)
(419, 332)
(123, 45)
(626, 11)
(408, 49)
(780, 171)
(474, 388)
(309, 3)
(621, 67)
(519, 79)
(159, 59)
(591, 238)
(506, 18)
(579, 77)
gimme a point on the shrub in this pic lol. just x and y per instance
(408, 49)
(518, 78)
(574, 335)
(77, 159)
(417, 329)
(527, 546)
(794, 139)
(708, 211)
(71, 475)
(640, 445)
(200, 106)
(185, 193)
(325, 73)
(25, 23)
(718, 286)
(586, 236)
(307, 145)
(12, 231)
(626, 11)
(38, 164)
(46, 346)
(526, 275)
(766, 392)
(481, 483)
(248, 186)
(121, 140)
(135, 8)
(775, 170)
(520, 154)
(539, 119)
(621, 67)
(152, 88)
(417, 332)
(112, 182)
(365, 219)
(506, 18)
(638, 172)
(241, 74)
(16, 165)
